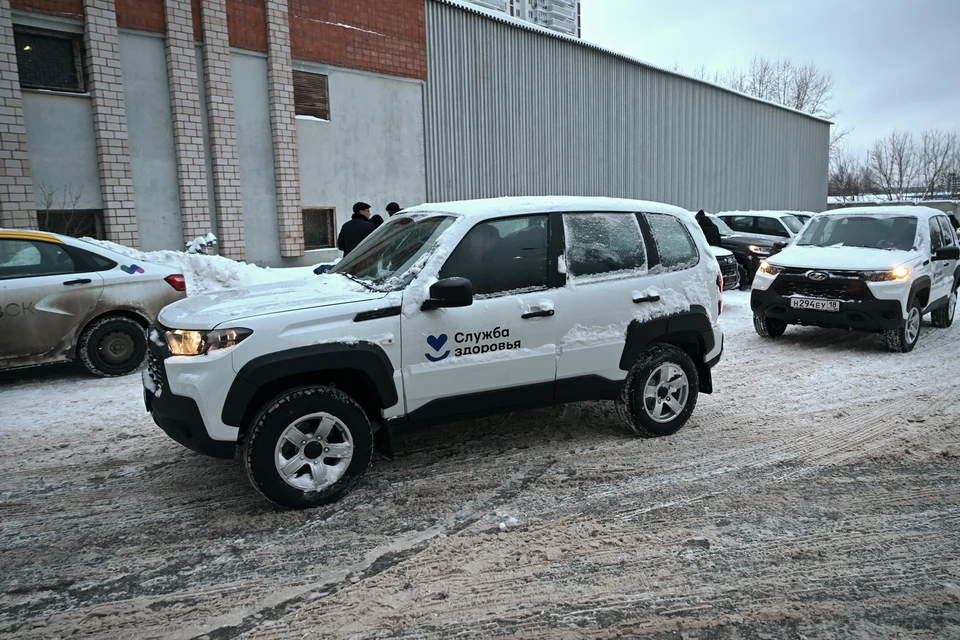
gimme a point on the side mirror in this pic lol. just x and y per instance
(449, 292)
(778, 247)
(947, 253)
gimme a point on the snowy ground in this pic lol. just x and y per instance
(814, 495)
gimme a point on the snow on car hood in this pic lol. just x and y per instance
(720, 251)
(228, 305)
(849, 258)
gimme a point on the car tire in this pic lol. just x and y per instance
(768, 327)
(903, 339)
(744, 277)
(662, 371)
(943, 317)
(300, 426)
(113, 346)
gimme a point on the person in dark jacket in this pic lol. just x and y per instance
(710, 230)
(393, 208)
(355, 229)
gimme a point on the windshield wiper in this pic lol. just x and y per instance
(357, 280)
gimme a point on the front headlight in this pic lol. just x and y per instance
(760, 251)
(184, 342)
(769, 269)
(891, 275)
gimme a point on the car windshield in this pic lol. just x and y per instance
(887, 232)
(724, 228)
(384, 260)
(792, 223)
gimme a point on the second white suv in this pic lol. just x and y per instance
(874, 269)
(446, 312)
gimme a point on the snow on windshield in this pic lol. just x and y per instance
(893, 233)
(395, 253)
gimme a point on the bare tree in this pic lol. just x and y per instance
(849, 178)
(60, 213)
(894, 165)
(937, 159)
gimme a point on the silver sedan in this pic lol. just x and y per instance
(63, 299)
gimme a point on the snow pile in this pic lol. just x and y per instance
(206, 273)
(201, 244)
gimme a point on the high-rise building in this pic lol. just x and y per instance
(558, 15)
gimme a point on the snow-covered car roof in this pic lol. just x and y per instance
(765, 213)
(923, 213)
(46, 236)
(520, 205)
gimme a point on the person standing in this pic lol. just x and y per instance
(393, 208)
(710, 230)
(355, 229)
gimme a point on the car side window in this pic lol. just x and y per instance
(936, 236)
(26, 258)
(598, 243)
(772, 227)
(674, 244)
(949, 235)
(740, 223)
(502, 255)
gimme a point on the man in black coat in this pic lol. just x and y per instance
(355, 229)
(710, 230)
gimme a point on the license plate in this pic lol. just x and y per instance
(815, 305)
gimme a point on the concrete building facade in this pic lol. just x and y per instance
(562, 16)
(153, 122)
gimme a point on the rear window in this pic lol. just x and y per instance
(676, 248)
(598, 243)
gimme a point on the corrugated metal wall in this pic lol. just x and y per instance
(511, 111)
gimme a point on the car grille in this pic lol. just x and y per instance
(155, 371)
(728, 268)
(850, 290)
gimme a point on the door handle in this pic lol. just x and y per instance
(653, 298)
(546, 313)
(77, 281)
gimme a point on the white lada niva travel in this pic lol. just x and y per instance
(447, 312)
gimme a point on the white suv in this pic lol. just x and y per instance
(874, 269)
(446, 312)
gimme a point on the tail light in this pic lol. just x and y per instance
(720, 287)
(177, 281)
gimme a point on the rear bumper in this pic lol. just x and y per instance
(869, 314)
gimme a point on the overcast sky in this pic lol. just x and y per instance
(895, 63)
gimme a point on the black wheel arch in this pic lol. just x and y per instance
(361, 370)
(921, 290)
(691, 331)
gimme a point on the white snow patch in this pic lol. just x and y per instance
(311, 118)
(205, 273)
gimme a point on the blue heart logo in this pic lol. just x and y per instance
(437, 342)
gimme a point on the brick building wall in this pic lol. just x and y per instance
(16, 187)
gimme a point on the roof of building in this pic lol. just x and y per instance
(517, 22)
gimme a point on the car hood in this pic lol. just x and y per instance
(720, 251)
(209, 310)
(847, 258)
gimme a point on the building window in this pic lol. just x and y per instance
(319, 229)
(76, 223)
(310, 95)
(49, 60)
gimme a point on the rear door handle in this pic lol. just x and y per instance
(653, 298)
(77, 281)
(546, 313)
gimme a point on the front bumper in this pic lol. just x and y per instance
(183, 395)
(865, 314)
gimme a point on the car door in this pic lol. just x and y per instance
(941, 271)
(679, 257)
(608, 282)
(498, 352)
(42, 298)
